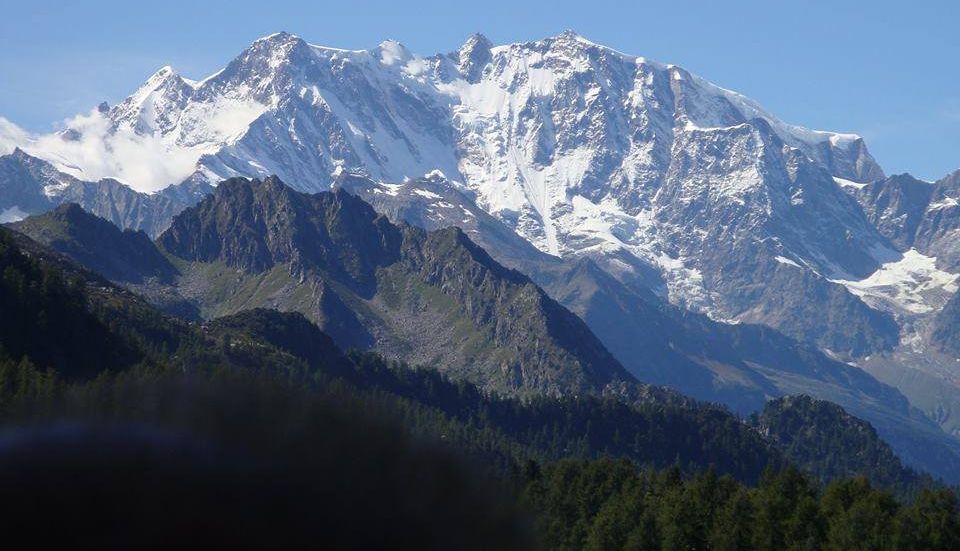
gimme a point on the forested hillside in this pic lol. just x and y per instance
(267, 395)
(608, 504)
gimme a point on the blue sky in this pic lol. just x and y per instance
(886, 70)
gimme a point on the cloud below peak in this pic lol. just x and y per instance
(90, 149)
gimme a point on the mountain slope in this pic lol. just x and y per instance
(205, 365)
(127, 256)
(654, 340)
(739, 365)
(946, 333)
(824, 439)
(47, 318)
(664, 182)
(543, 429)
(921, 220)
(63, 319)
(127, 351)
(427, 297)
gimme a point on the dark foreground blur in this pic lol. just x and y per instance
(239, 464)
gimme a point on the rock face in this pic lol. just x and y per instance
(25, 181)
(896, 206)
(255, 226)
(917, 214)
(946, 333)
(433, 298)
(939, 234)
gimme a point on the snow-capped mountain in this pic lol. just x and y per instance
(580, 149)
(665, 181)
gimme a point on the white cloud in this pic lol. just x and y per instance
(12, 214)
(11, 137)
(92, 152)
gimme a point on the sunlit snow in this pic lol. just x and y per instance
(912, 284)
(848, 183)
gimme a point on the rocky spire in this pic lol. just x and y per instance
(474, 55)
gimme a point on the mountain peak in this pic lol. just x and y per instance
(163, 75)
(18, 153)
(478, 38)
(571, 38)
(473, 56)
(262, 61)
(391, 52)
(277, 42)
(74, 219)
(273, 184)
(251, 193)
(802, 425)
(951, 178)
(256, 224)
(136, 111)
(569, 34)
(71, 210)
(280, 37)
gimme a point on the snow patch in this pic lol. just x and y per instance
(427, 194)
(388, 189)
(787, 261)
(848, 183)
(944, 203)
(911, 285)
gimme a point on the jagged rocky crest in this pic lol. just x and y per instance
(427, 297)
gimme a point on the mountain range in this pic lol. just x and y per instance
(435, 298)
(706, 245)
(102, 348)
